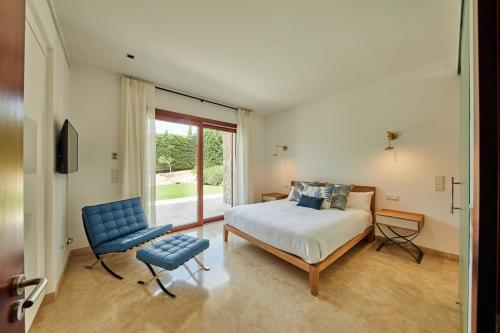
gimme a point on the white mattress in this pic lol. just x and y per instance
(308, 233)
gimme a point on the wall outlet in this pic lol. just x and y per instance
(114, 176)
(392, 197)
(439, 182)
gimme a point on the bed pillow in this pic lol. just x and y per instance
(339, 196)
(324, 192)
(297, 190)
(310, 202)
(360, 200)
(311, 191)
(290, 194)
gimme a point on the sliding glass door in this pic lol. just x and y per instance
(194, 169)
(218, 152)
(176, 173)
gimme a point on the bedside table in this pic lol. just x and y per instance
(273, 196)
(412, 222)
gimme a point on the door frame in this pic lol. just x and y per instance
(485, 290)
(201, 123)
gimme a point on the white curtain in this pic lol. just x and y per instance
(242, 178)
(137, 142)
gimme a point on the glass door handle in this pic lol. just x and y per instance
(452, 204)
(18, 284)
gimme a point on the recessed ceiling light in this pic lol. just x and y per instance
(130, 56)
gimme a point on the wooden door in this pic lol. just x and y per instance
(11, 156)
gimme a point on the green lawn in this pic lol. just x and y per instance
(183, 190)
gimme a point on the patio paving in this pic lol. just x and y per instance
(183, 211)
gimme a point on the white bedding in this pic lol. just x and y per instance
(308, 233)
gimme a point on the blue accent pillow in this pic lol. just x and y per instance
(310, 202)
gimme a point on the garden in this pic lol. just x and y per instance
(176, 164)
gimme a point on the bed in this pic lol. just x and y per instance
(307, 238)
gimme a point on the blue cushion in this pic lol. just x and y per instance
(310, 202)
(129, 241)
(106, 222)
(171, 252)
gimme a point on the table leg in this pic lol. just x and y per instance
(405, 239)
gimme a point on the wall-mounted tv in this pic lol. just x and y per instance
(67, 149)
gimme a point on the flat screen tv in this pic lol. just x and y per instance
(67, 149)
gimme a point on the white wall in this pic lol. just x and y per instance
(342, 138)
(35, 162)
(95, 107)
(95, 103)
(57, 111)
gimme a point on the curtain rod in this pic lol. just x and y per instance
(198, 98)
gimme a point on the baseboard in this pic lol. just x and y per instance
(52, 296)
(426, 250)
(49, 298)
(81, 251)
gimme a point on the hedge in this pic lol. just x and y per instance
(176, 152)
(212, 148)
(213, 175)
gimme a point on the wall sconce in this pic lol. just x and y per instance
(284, 147)
(390, 136)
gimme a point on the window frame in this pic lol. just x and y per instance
(201, 123)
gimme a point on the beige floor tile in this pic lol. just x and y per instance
(249, 290)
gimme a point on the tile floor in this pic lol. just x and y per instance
(249, 290)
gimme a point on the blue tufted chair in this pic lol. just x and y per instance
(117, 227)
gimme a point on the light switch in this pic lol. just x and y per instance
(114, 176)
(392, 197)
(439, 182)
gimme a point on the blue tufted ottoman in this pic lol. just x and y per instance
(169, 253)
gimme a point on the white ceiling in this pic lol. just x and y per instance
(264, 55)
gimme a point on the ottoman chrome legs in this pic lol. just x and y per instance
(155, 277)
(158, 281)
(202, 265)
(171, 253)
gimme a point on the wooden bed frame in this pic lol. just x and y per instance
(314, 269)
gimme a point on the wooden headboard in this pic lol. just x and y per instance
(356, 188)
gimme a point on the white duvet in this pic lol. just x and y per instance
(308, 233)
